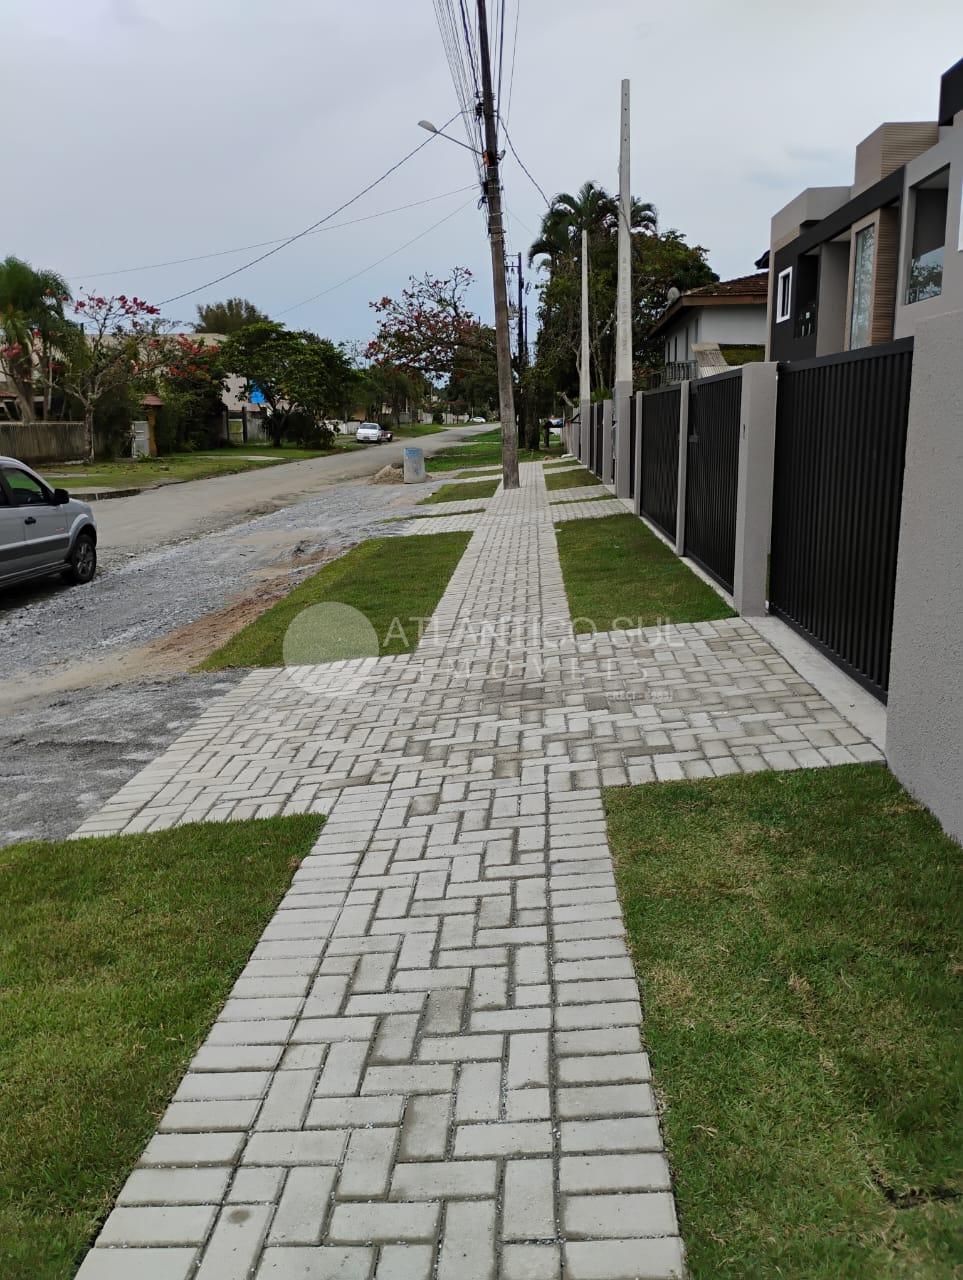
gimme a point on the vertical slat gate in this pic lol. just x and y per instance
(712, 474)
(597, 435)
(840, 448)
(632, 446)
(660, 457)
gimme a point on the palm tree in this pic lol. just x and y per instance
(31, 318)
(591, 209)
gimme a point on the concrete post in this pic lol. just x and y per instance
(924, 731)
(639, 426)
(683, 467)
(585, 360)
(623, 423)
(757, 445)
(608, 418)
(623, 308)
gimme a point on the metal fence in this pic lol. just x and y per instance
(633, 445)
(712, 474)
(840, 446)
(598, 444)
(659, 493)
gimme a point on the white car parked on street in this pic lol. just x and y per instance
(371, 433)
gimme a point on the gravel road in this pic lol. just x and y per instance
(91, 678)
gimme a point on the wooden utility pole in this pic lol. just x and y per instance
(585, 360)
(496, 238)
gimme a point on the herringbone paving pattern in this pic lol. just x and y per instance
(432, 1064)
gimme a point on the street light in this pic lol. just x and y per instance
(426, 124)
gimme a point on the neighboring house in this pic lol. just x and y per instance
(854, 266)
(729, 313)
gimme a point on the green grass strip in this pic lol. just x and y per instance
(618, 576)
(386, 579)
(115, 957)
(576, 479)
(462, 492)
(796, 937)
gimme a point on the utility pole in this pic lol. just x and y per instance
(623, 309)
(496, 237)
(585, 360)
(523, 431)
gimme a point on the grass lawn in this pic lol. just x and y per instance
(418, 429)
(577, 479)
(618, 575)
(483, 450)
(385, 578)
(126, 473)
(796, 937)
(462, 492)
(115, 957)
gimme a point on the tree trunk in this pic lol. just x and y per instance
(88, 433)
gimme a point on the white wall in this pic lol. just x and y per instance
(738, 325)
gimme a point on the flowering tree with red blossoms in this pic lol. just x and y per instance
(114, 341)
(430, 327)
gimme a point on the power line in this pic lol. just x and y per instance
(523, 168)
(225, 253)
(371, 265)
(307, 230)
(511, 75)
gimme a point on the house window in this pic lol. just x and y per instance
(925, 276)
(783, 294)
(859, 322)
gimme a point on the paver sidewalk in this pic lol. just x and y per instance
(432, 1062)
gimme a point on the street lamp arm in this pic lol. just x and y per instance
(426, 124)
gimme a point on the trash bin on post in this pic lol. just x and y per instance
(414, 466)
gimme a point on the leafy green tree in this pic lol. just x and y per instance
(228, 316)
(31, 321)
(304, 379)
(659, 260)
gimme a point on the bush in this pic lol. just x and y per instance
(438, 418)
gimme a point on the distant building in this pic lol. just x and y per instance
(700, 323)
(854, 266)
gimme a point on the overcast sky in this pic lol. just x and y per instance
(141, 131)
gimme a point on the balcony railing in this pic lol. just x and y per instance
(925, 278)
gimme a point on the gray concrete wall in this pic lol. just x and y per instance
(924, 735)
(757, 444)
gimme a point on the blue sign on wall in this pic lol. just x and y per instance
(257, 395)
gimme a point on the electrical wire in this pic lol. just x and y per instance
(307, 230)
(244, 248)
(371, 265)
(511, 74)
(523, 166)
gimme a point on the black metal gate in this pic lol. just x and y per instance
(712, 473)
(840, 447)
(597, 436)
(633, 431)
(659, 494)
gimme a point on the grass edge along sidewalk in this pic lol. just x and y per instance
(115, 957)
(794, 935)
(386, 579)
(483, 450)
(618, 575)
(480, 489)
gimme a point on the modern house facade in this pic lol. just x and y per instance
(729, 313)
(852, 267)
